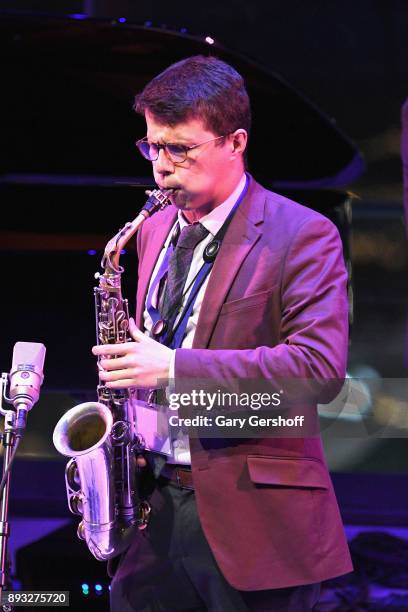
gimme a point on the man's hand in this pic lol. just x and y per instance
(142, 363)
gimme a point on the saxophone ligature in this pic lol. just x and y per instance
(100, 437)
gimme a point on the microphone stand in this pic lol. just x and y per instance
(8, 439)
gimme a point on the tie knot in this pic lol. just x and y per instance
(191, 235)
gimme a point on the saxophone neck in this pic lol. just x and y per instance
(113, 250)
(110, 261)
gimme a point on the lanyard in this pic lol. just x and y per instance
(174, 338)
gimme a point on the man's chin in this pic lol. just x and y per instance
(179, 199)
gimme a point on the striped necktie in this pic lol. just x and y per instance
(179, 266)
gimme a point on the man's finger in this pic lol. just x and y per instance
(111, 349)
(114, 364)
(125, 383)
(115, 375)
(135, 332)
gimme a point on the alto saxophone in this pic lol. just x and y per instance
(100, 437)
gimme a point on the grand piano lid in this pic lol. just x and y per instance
(68, 89)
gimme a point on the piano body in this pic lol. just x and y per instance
(70, 175)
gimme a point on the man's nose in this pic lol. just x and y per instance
(163, 164)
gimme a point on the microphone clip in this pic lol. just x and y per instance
(15, 417)
(4, 381)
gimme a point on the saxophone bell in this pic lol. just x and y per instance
(84, 434)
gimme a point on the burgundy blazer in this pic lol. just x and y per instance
(275, 306)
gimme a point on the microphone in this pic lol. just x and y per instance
(26, 377)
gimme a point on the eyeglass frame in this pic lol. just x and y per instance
(165, 145)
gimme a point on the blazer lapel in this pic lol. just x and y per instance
(155, 243)
(240, 238)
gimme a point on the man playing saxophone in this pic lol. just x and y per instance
(235, 283)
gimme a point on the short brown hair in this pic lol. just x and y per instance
(198, 87)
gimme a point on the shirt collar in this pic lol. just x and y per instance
(215, 219)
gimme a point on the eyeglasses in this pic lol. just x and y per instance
(175, 152)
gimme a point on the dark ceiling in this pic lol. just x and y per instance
(349, 58)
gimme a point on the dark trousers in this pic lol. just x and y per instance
(170, 567)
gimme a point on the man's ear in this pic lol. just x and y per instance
(239, 140)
